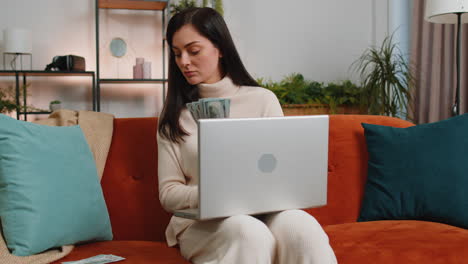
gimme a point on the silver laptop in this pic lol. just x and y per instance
(259, 165)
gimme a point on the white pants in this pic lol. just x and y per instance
(288, 237)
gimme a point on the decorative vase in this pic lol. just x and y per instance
(147, 70)
(138, 68)
(55, 107)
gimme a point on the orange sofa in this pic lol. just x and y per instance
(131, 191)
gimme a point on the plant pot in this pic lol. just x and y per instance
(318, 109)
(305, 109)
(55, 107)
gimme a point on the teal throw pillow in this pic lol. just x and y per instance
(50, 193)
(418, 173)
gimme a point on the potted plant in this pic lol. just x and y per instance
(387, 80)
(183, 4)
(55, 105)
(8, 100)
(343, 97)
(298, 96)
(218, 6)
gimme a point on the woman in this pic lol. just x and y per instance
(204, 63)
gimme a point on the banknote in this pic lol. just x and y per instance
(192, 107)
(99, 259)
(199, 109)
(210, 108)
(214, 109)
(227, 107)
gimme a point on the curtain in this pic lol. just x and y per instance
(433, 58)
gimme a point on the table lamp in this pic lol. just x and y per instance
(17, 42)
(449, 12)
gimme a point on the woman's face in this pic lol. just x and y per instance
(196, 56)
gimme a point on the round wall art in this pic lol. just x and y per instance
(118, 47)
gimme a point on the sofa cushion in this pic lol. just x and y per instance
(418, 173)
(389, 242)
(135, 252)
(49, 189)
(130, 182)
(347, 167)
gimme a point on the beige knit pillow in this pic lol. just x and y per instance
(43, 258)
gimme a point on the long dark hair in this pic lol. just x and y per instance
(211, 25)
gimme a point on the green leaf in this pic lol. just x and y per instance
(386, 78)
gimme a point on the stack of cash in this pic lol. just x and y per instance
(210, 108)
(99, 259)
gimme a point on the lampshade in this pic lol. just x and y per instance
(17, 40)
(443, 11)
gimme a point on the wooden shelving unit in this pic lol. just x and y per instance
(130, 5)
(135, 5)
(46, 73)
(25, 74)
(133, 80)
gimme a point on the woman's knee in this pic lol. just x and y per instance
(297, 225)
(291, 218)
(300, 238)
(247, 230)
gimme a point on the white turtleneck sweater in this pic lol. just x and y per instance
(177, 163)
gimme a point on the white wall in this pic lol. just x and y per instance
(318, 38)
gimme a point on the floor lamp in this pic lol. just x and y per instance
(449, 12)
